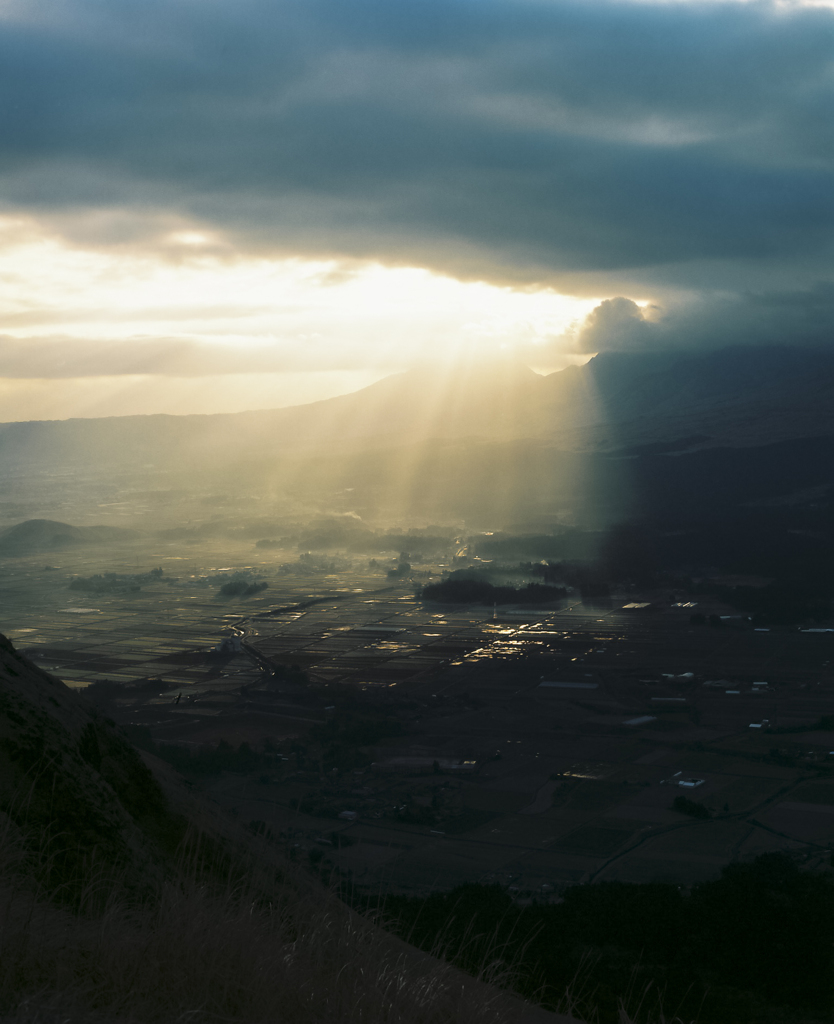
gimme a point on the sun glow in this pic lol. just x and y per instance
(189, 305)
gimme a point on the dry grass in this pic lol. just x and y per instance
(267, 945)
(197, 953)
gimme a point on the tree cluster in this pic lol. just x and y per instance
(752, 946)
(456, 590)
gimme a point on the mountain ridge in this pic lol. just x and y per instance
(504, 401)
(483, 440)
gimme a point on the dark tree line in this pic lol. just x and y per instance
(755, 946)
(457, 590)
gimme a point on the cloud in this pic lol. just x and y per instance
(133, 395)
(504, 138)
(59, 358)
(65, 358)
(187, 307)
(799, 318)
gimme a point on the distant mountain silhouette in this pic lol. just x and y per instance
(737, 396)
(491, 437)
(745, 396)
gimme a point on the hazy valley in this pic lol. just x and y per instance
(471, 649)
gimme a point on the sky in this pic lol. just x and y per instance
(215, 205)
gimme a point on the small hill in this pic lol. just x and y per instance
(39, 533)
(49, 535)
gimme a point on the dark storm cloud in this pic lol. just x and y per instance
(549, 137)
(804, 318)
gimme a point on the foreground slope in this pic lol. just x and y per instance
(106, 914)
(71, 783)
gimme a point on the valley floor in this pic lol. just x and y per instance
(489, 775)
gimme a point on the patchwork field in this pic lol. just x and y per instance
(487, 775)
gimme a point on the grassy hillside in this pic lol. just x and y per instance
(752, 947)
(124, 901)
